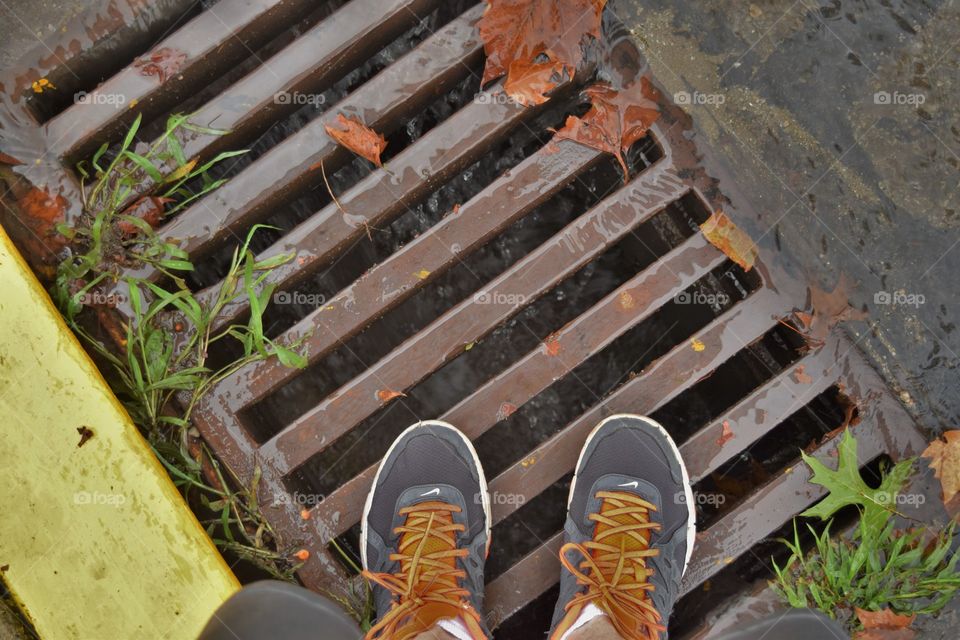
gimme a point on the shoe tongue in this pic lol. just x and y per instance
(629, 540)
(433, 543)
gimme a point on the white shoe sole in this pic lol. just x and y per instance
(476, 459)
(687, 487)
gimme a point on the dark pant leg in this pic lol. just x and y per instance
(273, 610)
(794, 624)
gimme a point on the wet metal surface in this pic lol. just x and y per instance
(674, 342)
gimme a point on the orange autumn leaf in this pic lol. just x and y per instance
(616, 119)
(944, 456)
(359, 138)
(552, 345)
(303, 555)
(525, 30)
(529, 82)
(801, 376)
(726, 236)
(163, 63)
(386, 395)
(884, 625)
(726, 434)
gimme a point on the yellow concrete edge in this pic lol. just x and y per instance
(97, 540)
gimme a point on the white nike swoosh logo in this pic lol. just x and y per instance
(633, 484)
(435, 492)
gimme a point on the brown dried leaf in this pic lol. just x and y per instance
(528, 82)
(884, 625)
(522, 30)
(386, 395)
(163, 63)
(359, 138)
(726, 434)
(944, 458)
(828, 309)
(616, 119)
(726, 236)
(43, 211)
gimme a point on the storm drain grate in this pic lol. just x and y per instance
(675, 320)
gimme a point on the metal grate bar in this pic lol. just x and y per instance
(212, 42)
(585, 336)
(418, 170)
(755, 415)
(310, 64)
(295, 164)
(391, 282)
(761, 513)
(643, 394)
(574, 246)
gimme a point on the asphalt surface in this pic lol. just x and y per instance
(839, 119)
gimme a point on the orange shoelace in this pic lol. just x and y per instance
(614, 567)
(427, 586)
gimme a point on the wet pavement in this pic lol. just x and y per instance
(839, 122)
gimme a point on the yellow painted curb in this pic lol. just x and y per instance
(96, 540)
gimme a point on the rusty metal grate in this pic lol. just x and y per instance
(670, 181)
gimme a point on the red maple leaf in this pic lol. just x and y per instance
(617, 119)
(359, 138)
(525, 30)
(163, 63)
(528, 82)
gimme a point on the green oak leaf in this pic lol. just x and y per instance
(847, 487)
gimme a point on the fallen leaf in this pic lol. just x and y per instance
(801, 376)
(552, 345)
(616, 119)
(422, 274)
(359, 138)
(163, 63)
(726, 434)
(85, 434)
(41, 85)
(468, 346)
(182, 171)
(697, 345)
(884, 625)
(626, 300)
(43, 212)
(305, 514)
(529, 82)
(303, 555)
(827, 310)
(523, 30)
(944, 458)
(529, 462)
(386, 395)
(720, 231)
(506, 410)
(150, 209)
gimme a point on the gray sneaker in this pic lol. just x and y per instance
(425, 534)
(629, 531)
